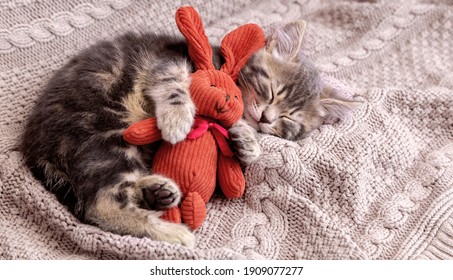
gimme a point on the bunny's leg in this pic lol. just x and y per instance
(230, 176)
(193, 210)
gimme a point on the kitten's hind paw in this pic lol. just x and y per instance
(172, 233)
(159, 192)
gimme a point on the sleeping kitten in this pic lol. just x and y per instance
(283, 94)
(73, 138)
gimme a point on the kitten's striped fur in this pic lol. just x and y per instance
(282, 90)
(73, 138)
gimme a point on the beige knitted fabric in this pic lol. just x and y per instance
(377, 185)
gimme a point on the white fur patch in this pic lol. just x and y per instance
(132, 176)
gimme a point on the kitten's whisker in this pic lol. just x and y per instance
(245, 81)
(254, 104)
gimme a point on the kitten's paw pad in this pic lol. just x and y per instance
(247, 147)
(159, 192)
(176, 122)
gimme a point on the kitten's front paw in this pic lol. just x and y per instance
(245, 143)
(175, 123)
(159, 192)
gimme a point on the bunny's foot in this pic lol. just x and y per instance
(193, 210)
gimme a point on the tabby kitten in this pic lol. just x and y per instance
(73, 137)
(283, 93)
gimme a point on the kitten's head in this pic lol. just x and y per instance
(282, 90)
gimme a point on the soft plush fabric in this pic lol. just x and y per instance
(377, 185)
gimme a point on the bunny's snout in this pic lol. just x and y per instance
(228, 96)
(230, 100)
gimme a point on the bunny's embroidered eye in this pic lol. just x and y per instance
(235, 97)
(212, 85)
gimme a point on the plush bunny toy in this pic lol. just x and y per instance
(204, 158)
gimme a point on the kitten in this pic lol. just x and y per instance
(283, 93)
(73, 138)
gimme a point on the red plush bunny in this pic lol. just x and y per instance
(204, 158)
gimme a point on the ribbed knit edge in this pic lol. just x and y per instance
(428, 243)
(441, 246)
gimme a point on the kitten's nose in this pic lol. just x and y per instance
(264, 119)
(269, 115)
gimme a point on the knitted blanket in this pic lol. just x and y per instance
(377, 185)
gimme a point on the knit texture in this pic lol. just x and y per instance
(377, 185)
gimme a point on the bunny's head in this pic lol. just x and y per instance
(215, 92)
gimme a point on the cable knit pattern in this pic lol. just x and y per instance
(377, 185)
(59, 24)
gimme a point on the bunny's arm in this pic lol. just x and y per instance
(230, 176)
(142, 132)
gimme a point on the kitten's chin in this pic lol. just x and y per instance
(266, 128)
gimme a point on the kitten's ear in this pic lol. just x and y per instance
(286, 40)
(334, 105)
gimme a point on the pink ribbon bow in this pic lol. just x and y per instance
(202, 125)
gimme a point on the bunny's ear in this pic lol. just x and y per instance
(191, 26)
(239, 45)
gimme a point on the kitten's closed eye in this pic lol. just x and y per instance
(282, 90)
